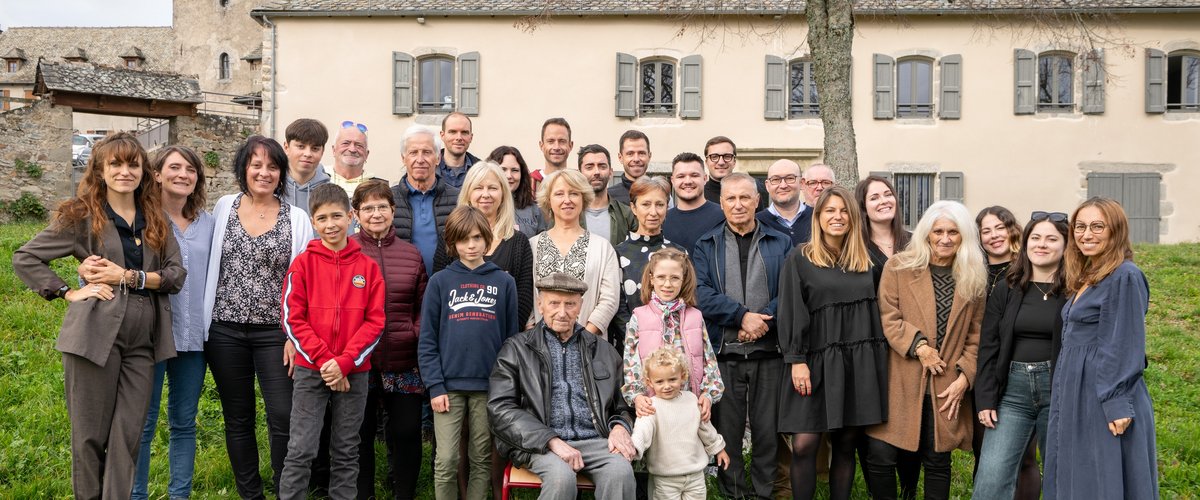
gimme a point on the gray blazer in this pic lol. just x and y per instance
(90, 326)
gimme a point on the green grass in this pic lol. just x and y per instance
(35, 458)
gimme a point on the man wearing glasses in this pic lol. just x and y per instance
(786, 213)
(720, 156)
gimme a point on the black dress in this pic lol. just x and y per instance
(829, 319)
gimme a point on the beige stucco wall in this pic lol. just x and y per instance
(334, 69)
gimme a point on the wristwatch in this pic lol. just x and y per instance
(62, 292)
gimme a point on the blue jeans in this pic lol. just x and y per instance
(1024, 408)
(187, 379)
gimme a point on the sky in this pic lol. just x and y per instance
(15, 13)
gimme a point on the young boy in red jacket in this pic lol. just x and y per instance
(333, 313)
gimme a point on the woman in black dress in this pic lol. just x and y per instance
(832, 340)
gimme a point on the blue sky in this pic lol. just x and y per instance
(15, 13)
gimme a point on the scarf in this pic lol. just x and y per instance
(671, 317)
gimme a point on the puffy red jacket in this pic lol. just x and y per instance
(333, 307)
(404, 274)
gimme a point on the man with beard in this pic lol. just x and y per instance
(633, 150)
(786, 213)
(350, 154)
(605, 217)
(455, 160)
(721, 156)
(556, 146)
(693, 215)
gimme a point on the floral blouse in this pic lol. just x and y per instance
(250, 284)
(710, 386)
(550, 261)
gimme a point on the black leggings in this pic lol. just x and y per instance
(805, 447)
(402, 432)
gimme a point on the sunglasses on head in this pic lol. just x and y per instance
(1039, 215)
(350, 123)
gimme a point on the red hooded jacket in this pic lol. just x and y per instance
(333, 307)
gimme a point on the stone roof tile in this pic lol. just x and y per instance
(133, 52)
(102, 45)
(90, 78)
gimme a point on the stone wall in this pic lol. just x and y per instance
(39, 134)
(214, 137)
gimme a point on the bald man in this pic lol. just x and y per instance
(786, 213)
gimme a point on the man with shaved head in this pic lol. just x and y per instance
(786, 213)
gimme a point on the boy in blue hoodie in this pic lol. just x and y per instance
(333, 313)
(470, 309)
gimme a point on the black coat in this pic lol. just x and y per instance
(445, 199)
(997, 340)
(519, 392)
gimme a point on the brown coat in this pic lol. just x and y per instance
(907, 307)
(90, 326)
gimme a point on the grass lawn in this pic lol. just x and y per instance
(35, 438)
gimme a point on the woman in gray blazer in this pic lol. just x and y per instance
(118, 323)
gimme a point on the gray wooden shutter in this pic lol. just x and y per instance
(1140, 197)
(1156, 78)
(1104, 184)
(690, 71)
(626, 86)
(468, 84)
(885, 96)
(776, 91)
(885, 174)
(952, 186)
(951, 105)
(402, 79)
(1093, 81)
(1024, 77)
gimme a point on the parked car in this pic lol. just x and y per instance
(81, 147)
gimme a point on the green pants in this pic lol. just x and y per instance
(466, 409)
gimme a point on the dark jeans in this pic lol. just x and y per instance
(310, 400)
(186, 372)
(237, 354)
(883, 461)
(751, 387)
(402, 432)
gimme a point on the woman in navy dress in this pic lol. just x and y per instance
(1100, 441)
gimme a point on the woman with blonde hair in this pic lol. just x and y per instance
(1099, 402)
(832, 340)
(931, 302)
(569, 248)
(118, 322)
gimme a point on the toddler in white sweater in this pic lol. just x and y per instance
(673, 441)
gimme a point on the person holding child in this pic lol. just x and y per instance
(333, 314)
(833, 343)
(675, 440)
(469, 310)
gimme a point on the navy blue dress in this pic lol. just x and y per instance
(1098, 379)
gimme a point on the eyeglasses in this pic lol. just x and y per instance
(787, 179)
(815, 183)
(1095, 228)
(728, 157)
(374, 209)
(666, 280)
(1038, 216)
(350, 123)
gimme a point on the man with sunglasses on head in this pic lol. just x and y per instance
(720, 156)
(350, 156)
(456, 135)
(786, 213)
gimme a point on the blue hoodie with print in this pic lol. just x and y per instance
(466, 316)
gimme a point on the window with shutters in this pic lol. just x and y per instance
(1056, 82)
(914, 193)
(435, 84)
(1183, 81)
(914, 88)
(657, 93)
(223, 69)
(802, 97)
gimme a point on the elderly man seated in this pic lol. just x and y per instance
(554, 400)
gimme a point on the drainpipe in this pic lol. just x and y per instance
(274, 64)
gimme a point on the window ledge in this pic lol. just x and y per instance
(650, 121)
(1181, 116)
(1071, 116)
(925, 122)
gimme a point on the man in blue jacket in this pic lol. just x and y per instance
(733, 263)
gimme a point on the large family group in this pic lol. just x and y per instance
(553, 320)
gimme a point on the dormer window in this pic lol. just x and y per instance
(76, 55)
(133, 57)
(14, 60)
(14, 65)
(132, 63)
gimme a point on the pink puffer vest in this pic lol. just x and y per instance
(650, 338)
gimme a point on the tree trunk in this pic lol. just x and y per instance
(830, 37)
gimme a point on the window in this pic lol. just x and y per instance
(223, 67)
(658, 88)
(914, 88)
(914, 193)
(435, 84)
(802, 96)
(14, 66)
(1183, 82)
(1056, 83)
(131, 63)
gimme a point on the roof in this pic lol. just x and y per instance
(14, 53)
(90, 78)
(373, 8)
(133, 53)
(75, 53)
(254, 55)
(102, 45)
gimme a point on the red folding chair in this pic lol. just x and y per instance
(518, 478)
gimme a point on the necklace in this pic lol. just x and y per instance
(1045, 294)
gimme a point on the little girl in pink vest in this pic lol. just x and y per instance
(669, 317)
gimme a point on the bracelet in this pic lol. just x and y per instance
(141, 280)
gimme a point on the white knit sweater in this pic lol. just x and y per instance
(684, 444)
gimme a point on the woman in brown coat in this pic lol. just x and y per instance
(931, 302)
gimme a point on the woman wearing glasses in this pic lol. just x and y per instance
(1100, 439)
(1022, 329)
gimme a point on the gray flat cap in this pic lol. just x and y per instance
(562, 282)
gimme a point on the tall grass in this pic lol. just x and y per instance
(35, 459)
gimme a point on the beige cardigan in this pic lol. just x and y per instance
(603, 278)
